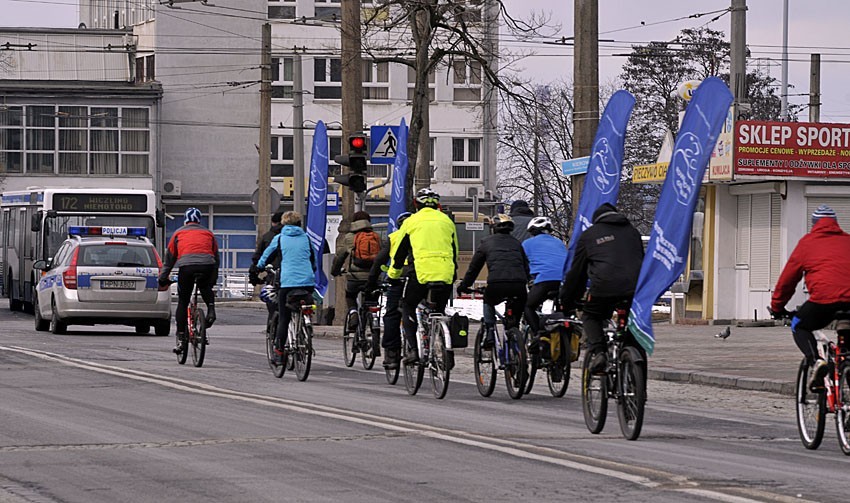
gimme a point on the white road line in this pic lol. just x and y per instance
(517, 449)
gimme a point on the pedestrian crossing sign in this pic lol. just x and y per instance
(384, 144)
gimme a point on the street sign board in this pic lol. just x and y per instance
(383, 144)
(474, 226)
(575, 166)
(333, 201)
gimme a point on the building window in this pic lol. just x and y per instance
(467, 80)
(334, 149)
(11, 139)
(282, 150)
(376, 171)
(282, 78)
(328, 9)
(327, 74)
(74, 140)
(150, 68)
(140, 69)
(40, 139)
(411, 84)
(376, 78)
(282, 10)
(466, 158)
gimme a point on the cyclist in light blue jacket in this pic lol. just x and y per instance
(546, 257)
(297, 267)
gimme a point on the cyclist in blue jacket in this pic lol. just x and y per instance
(546, 257)
(297, 268)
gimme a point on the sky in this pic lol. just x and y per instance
(814, 27)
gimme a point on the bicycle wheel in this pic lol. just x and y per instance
(842, 414)
(632, 396)
(558, 375)
(594, 396)
(516, 366)
(199, 341)
(413, 374)
(392, 375)
(440, 362)
(289, 345)
(184, 348)
(367, 349)
(303, 352)
(271, 330)
(533, 361)
(811, 409)
(349, 337)
(484, 365)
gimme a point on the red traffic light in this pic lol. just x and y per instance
(357, 142)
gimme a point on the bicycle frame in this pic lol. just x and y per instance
(831, 352)
(428, 321)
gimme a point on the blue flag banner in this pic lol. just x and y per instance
(398, 204)
(602, 184)
(317, 206)
(668, 244)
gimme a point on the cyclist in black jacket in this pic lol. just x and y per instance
(609, 253)
(507, 273)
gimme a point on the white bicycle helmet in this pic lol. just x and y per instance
(268, 294)
(540, 224)
(427, 197)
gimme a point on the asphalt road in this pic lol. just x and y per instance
(103, 415)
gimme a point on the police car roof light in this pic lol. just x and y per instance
(83, 230)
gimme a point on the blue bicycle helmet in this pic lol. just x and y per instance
(192, 215)
(268, 294)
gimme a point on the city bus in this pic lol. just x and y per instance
(36, 223)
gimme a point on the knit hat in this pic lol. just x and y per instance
(519, 203)
(823, 211)
(276, 217)
(361, 215)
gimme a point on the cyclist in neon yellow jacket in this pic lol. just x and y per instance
(430, 238)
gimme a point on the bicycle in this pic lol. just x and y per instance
(434, 346)
(365, 317)
(812, 405)
(278, 366)
(624, 380)
(299, 340)
(508, 349)
(196, 329)
(561, 335)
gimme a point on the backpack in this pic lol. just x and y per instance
(367, 244)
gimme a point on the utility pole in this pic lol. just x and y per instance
(738, 52)
(814, 89)
(352, 119)
(298, 133)
(783, 113)
(264, 179)
(585, 86)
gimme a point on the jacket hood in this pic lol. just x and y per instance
(827, 225)
(292, 230)
(359, 225)
(608, 214)
(521, 211)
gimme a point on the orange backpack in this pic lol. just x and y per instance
(367, 244)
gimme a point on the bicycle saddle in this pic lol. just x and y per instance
(298, 296)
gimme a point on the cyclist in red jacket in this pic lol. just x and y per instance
(823, 256)
(194, 249)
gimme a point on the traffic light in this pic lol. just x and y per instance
(358, 146)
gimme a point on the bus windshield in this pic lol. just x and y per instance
(56, 227)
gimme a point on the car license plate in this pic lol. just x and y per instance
(115, 284)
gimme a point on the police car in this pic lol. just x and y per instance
(102, 275)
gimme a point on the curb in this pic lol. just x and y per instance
(723, 381)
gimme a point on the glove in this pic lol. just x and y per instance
(463, 289)
(370, 287)
(163, 281)
(778, 315)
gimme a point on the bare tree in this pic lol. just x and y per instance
(535, 135)
(428, 34)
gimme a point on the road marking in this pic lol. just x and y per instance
(611, 469)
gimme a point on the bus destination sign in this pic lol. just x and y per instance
(101, 203)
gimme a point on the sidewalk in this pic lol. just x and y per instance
(753, 358)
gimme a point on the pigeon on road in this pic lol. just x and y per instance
(724, 334)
